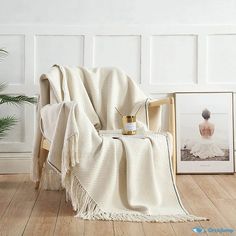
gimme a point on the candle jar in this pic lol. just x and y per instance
(129, 125)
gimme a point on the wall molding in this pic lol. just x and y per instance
(82, 40)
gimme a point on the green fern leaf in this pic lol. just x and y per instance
(6, 124)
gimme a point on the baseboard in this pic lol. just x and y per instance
(15, 163)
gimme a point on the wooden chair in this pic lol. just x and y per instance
(169, 101)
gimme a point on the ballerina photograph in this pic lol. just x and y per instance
(204, 132)
(206, 148)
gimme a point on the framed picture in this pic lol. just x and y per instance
(204, 132)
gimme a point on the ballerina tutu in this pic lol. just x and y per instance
(205, 148)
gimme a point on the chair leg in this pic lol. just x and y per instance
(43, 153)
(173, 131)
(37, 185)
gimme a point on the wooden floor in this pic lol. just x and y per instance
(25, 211)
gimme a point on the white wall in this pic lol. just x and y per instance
(157, 42)
(118, 11)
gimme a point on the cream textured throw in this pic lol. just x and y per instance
(106, 175)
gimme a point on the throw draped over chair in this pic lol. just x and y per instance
(107, 175)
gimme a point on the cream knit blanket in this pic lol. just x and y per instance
(106, 176)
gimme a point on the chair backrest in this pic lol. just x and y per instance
(98, 91)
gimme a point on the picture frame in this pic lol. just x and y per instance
(204, 132)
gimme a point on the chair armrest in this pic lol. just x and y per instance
(160, 102)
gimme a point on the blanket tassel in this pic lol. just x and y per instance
(88, 209)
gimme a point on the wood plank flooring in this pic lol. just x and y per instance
(25, 211)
